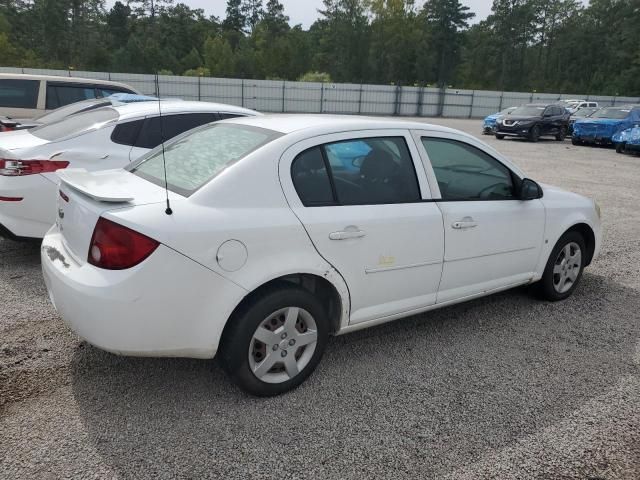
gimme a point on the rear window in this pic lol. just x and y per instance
(198, 156)
(75, 124)
(19, 93)
(612, 112)
(63, 112)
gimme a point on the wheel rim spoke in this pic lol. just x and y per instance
(265, 336)
(263, 367)
(291, 365)
(557, 269)
(306, 338)
(291, 318)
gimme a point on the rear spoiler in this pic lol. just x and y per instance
(100, 186)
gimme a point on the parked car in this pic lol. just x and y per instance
(271, 247)
(604, 124)
(574, 105)
(100, 139)
(583, 112)
(489, 122)
(534, 120)
(9, 124)
(627, 140)
(26, 96)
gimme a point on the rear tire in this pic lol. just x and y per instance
(534, 133)
(562, 134)
(564, 267)
(259, 350)
(620, 147)
(575, 141)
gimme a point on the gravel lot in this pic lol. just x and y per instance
(504, 387)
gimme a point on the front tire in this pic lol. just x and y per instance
(275, 341)
(499, 137)
(620, 147)
(564, 268)
(534, 133)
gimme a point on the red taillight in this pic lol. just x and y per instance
(115, 247)
(19, 168)
(4, 128)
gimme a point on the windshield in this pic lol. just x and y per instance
(75, 124)
(528, 111)
(612, 112)
(197, 156)
(63, 112)
(507, 111)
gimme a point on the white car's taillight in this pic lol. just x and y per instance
(19, 168)
(116, 247)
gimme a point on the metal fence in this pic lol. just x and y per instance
(347, 98)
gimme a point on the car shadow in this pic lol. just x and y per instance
(418, 397)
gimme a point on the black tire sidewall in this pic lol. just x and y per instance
(534, 133)
(562, 134)
(235, 347)
(546, 283)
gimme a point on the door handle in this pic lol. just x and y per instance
(465, 223)
(346, 234)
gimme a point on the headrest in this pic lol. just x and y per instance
(378, 164)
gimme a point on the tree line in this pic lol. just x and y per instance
(523, 45)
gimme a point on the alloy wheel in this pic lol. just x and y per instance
(566, 268)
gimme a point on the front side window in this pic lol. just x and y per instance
(365, 171)
(75, 124)
(19, 93)
(464, 172)
(196, 157)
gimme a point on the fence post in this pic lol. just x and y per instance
(283, 94)
(199, 81)
(420, 100)
(396, 106)
(473, 99)
(441, 95)
(109, 75)
(321, 97)
(242, 91)
(531, 100)
(614, 101)
(360, 101)
(501, 99)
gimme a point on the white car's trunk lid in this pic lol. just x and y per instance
(19, 139)
(85, 196)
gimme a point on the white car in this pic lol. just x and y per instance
(99, 139)
(283, 230)
(573, 105)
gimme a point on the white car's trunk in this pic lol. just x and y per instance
(19, 139)
(85, 196)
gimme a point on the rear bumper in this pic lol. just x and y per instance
(595, 139)
(168, 305)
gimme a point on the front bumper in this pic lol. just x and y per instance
(168, 305)
(512, 130)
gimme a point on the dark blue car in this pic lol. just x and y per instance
(604, 124)
(627, 140)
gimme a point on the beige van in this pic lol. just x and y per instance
(25, 96)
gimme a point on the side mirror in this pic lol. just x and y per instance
(529, 190)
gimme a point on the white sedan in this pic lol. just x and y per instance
(98, 139)
(283, 230)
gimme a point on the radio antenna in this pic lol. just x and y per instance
(168, 210)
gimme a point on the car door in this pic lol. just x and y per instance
(547, 121)
(492, 239)
(366, 208)
(151, 135)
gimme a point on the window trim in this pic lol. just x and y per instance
(336, 203)
(418, 135)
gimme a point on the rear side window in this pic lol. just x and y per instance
(105, 92)
(59, 95)
(224, 116)
(152, 135)
(464, 172)
(127, 133)
(75, 124)
(19, 93)
(196, 157)
(367, 171)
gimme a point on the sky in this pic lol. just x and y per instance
(306, 11)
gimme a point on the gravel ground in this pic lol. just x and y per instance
(502, 387)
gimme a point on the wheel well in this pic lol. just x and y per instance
(319, 286)
(589, 239)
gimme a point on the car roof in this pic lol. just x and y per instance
(325, 123)
(141, 109)
(53, 78)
